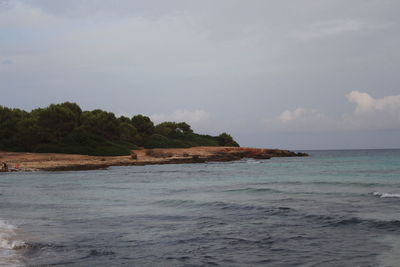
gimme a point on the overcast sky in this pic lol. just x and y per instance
(315, 74)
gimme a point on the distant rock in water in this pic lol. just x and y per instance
(260, 153)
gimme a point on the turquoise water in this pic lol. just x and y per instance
(334, 208)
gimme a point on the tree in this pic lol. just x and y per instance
(101, 123)
(55, 122)
(28, 134)
(173, 129)
(225, 139)
(127, 132)
(65, 128)
(9, 119)
(143, 124)
(184, 127)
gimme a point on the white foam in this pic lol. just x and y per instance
(386, 195)
(252, 161)
(9, 244)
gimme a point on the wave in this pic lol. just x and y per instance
(98, 253)
(226, 206)
(360, 184)
(254, 190)
(175, 202)
(330, 183)
(252, 161)
(332, 221)
(389, 225)
(9, 244)
(385, 195)
(8, 235)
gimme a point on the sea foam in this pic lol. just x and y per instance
(386, 195)
(9, 244)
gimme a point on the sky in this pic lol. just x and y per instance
(306, 74)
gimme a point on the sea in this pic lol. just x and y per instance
(333, 208)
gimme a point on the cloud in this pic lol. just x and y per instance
(298, 114)
(81, 8)
(299, 120)
(328, 28)
(7, 62)
(182, 115)
(373, 113)
(366, 104)
(369, 114)
(232, 58)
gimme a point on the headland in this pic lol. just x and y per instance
(21, 161)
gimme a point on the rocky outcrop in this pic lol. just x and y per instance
(66, 162)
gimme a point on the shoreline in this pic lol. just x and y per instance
(25, 162)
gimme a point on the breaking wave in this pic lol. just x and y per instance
(9, 244)
(386, 195)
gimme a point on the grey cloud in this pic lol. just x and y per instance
(90, 8)
(240, 61)
(7, 62)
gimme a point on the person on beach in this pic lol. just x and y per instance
(5, 166)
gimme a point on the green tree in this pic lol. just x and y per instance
(9, 119)
(65, 128)
(143, 124)
(173, 129)
(225, 139)
(127, 132)
(28, 134)
(101, 123)
(55, 122)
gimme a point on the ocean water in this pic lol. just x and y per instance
(334, 208)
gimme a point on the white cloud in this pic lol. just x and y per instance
(182, 115)
(373, 113)
(363, 100)
(328, 28)
(369, 114)
(299, 120)
(298, 114)
(365, 103)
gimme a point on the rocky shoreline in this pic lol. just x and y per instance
(68, 162)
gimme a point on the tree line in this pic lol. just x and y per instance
(65, 128)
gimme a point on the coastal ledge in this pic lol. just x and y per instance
(19, 161)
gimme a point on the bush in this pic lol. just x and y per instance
(159, 141)
(98, 149)
(225, 139)
(158, 154)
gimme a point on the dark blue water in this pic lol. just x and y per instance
(335, 208)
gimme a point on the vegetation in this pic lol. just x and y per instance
(65, 128)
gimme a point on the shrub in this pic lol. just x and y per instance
(225, 139)
(158, 154)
